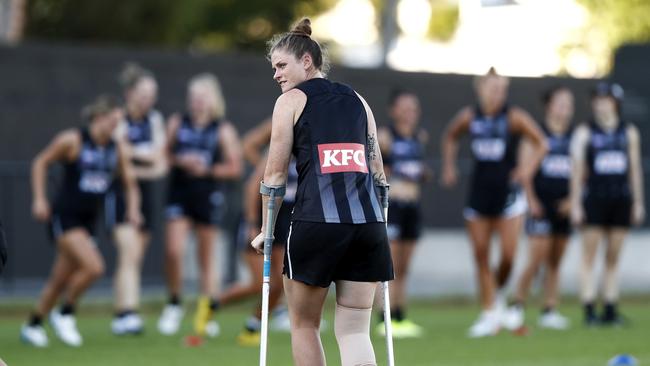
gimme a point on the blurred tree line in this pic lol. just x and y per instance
(208, 24)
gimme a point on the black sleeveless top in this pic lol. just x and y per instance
(494, 150)
(202, 143)
(406, 157)
(292, 183)
(608, 162)
(139, 133)
(87, 179)
(330, 146)
(552, 179)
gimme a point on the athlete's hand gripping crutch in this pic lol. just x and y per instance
(388, 326)
(272, 192)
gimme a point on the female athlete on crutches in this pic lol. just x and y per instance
(338, 231)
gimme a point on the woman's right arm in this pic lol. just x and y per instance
(63, 147)
(173, 123)
(449, 145)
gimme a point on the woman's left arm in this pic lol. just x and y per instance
(636, 175)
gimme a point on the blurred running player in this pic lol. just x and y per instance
(496, 201)
(548, 224)
(91, 160)
(253, 142)
(403, 144)
(204, 150)
(338, 231)
(143, 136)
(606, 194)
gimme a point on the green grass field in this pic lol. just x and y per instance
(445, 343)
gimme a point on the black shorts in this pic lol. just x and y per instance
(404, 220)
(319, 253)
(62, 222)
(551, 223)
(202, 207)
(3, 248)
(608, 212)
(115, 206)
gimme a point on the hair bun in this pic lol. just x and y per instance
(302, 28)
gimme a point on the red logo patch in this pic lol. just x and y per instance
(341, 158)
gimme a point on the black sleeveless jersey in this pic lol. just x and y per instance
(88, 178)
(330, 146)
(608, 162)
(552, 179)
(139, 133)
(494, 150)
(292, 183)
(406, 157)
(200, 143)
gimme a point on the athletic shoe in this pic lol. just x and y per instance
(553, 320)
(65, 328)
(212, 329)
(33, 335)
(170, 319)
(513, 317)
(487, 324)
(281, 322)
(381, 329)
(128, 324)
(406, 329)
(249, 338)
(202, 316)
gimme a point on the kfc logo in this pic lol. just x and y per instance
(340, 158)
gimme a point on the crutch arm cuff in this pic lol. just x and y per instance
(266, 190)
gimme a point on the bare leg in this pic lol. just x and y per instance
(305, 309)
(480, 231)
(401, 252)
(238, 291)
(554, 259)
(176, 235)
(62, 270)
(539, 251)
(509, 230)
(126, 282)
(90, 264)
(591, 237)
(615, 240)
(206, 235)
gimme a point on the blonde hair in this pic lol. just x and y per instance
(212, 83)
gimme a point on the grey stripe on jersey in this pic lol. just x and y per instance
(379, 211)
(328, 201)
(352, 194)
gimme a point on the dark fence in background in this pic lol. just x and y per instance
(43, 86)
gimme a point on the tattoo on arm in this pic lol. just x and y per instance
(379, 179)
(372, 153)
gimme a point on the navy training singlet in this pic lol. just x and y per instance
(608, 162)
(87, 179)
(552, 179)
(202, 143)
(406, 157)
(140, 133)
(330, 146)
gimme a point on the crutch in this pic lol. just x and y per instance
(388, 326)
(272, 192)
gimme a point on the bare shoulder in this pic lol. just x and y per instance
(292, 98)
(227, 128)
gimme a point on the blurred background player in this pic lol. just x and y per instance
(606, 194)
(143, 135)
(495, 200)
(548, 225)
(3, 248)
(403, 146)
(91, 160)
(204, 150)
(338, 231)
(255, 142)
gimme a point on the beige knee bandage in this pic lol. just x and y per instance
(352, 330)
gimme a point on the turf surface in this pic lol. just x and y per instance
(445, 343)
